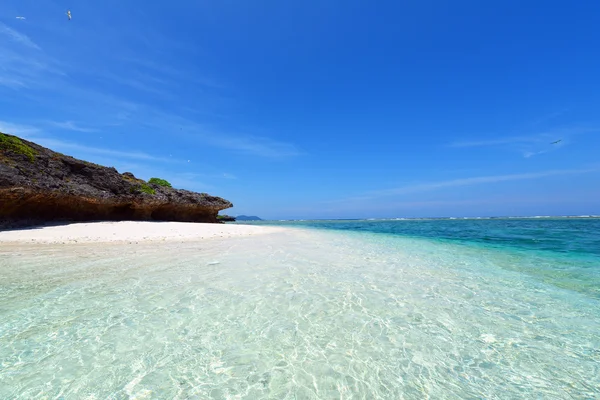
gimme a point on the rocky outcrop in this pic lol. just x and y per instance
(39, 185)
(226, 218)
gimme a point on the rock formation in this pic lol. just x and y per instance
(39, 185)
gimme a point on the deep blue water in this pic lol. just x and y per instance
(564, 252)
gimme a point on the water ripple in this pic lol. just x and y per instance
(305, 315)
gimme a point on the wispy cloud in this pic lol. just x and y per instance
(539, 138)
(548, 117)
(40, 79)
(528, 154)
(24, 64)
(60, 145)
(482, 180)
(530, 145)
(498, 141)
(437, 208)
(11, 82)
(258, 146)
(70, 125)
(195, 132)
(117, 111)
(173, 73)
(453, 183)
(17, 36)
(189, 181)
(17, 129)
(138, 81)
(21, 70)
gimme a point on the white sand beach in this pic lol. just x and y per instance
(129, 231)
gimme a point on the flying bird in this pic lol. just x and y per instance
(69, 14)
(559, 140)
(21, 18)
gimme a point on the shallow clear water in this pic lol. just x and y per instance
(558, 250)
(309, 314)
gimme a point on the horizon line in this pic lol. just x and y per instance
(413, 218)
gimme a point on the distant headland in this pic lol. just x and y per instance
(38, 185)
(248, 218)
(229, 218)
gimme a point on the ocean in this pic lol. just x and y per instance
(390, 309)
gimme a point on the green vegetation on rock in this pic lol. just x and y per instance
(160, 182)
(146, 189)
(15, 145)
(143, 188)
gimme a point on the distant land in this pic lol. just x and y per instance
(248, 218)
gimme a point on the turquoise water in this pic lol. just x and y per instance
(329, 310)
(564, 235)
(560, 251)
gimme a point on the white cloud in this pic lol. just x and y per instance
(539, 138)
(23, 68)
(241, 143)
(33, 134)
(18, 37)
(530, 145)
(528, 154)
(497, 142)
(138, 81)
(71, 126)
(117, 111)
(164, 70)
(11, 82)
(394, 209)
(482, 180)
(189, 181)
(59, 145)
(44, 84)
(17, 129)
(479, 180)
(258, 146)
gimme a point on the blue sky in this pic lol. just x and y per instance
(320, 109)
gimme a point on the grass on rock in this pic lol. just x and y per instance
(15, 145)
(160, 182)
(146, 189)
